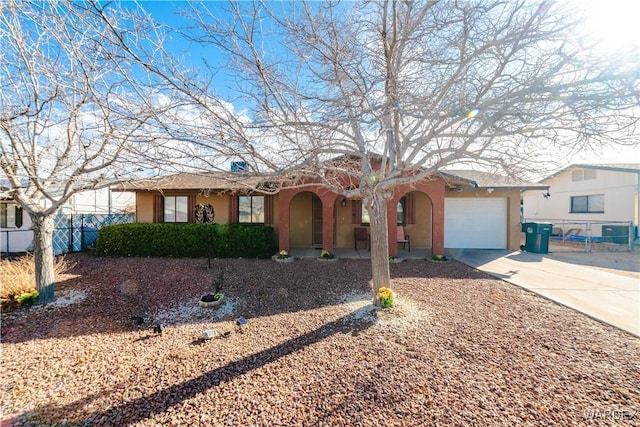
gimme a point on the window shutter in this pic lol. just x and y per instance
(410, 210)
(356, 212)
(268, 209)
(191, 208)
(18, 218)
(233, 209)
(157, 208)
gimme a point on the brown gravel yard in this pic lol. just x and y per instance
(459, 348)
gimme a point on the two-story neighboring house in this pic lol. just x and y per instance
(599, 200)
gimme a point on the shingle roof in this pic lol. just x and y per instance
(197, 181)
(481, 179)
(236, 182)
(616, 167)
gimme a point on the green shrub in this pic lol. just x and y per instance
(186, 240)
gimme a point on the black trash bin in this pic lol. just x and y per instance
(537, 236)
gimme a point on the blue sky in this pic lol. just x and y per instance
(612, 20)
(167, 12)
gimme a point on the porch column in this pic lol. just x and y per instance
(328, 202)
(392, 223)
(284, 200)
(437, 224)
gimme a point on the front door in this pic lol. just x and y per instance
(316, 220)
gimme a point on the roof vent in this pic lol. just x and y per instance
(238, 166)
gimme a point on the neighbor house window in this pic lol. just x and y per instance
(4, 216)
(251, 209)
(10, 216)
(583, 174)
(587, 204)
(176, 209)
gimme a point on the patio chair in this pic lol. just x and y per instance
(360, 234)
(403, 238)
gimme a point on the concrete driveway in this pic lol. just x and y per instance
(611, 297)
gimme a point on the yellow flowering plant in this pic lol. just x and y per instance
(283, 254)
(385, 297)
(326, 254)
(27, 297)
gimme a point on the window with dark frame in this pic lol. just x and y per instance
(401, 209)
(251, 209)
(176, 209)
(4, 217)
(587, 204)
(10, 216)
(400, 213)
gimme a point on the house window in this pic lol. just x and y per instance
(401, 210)
(400, 213)
(583, 174)
(8, 215)
(176, 209)
(251, 209)
(587, 204)
(365, 217)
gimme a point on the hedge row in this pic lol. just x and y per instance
(186, 240)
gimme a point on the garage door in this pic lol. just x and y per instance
(475, 223)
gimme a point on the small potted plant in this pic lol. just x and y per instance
(385, 297)
(213, 299)
(439, 258)
(283, 256)
(326, 255)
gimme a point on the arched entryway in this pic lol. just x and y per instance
(305, 221)
(418, 224)
(413, 211)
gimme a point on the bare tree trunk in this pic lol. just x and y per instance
(379, 244)
(43, 226)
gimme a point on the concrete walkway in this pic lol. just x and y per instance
(609, 297)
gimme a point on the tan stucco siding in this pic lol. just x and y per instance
(144, 207)
(220, 205)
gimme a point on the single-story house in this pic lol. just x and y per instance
(598, 199)
(450, 210)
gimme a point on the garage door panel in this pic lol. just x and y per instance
(475, 223)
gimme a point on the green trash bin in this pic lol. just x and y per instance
(537, 236)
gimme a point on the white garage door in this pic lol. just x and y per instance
(475, 223)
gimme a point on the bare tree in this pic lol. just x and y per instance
(403, 89)
(77, 111)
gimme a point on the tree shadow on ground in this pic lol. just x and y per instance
(147, 406)
(117, 291)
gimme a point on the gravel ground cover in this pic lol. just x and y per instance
(458, 348)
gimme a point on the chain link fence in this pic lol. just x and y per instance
(591, 236)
